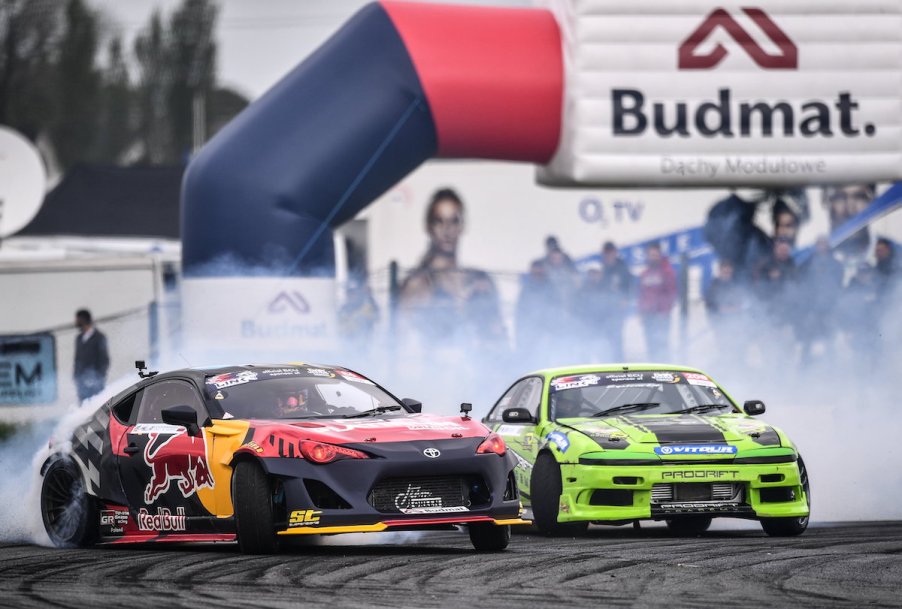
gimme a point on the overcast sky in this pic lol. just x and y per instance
(259, 40)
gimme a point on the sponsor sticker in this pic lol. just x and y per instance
(177, 458)
(699, 475)
(560, 440)
(698, 379)
(163, 520)
(435, 510)
(665, 377)
(416, 498)
(253, 446)
(623, 377)
(304, 518)
(354, 377)
(157, 428)
(695, 449)
(277, 372)
(116, 520)
(320, 372)
(230, 379)
(574, 382)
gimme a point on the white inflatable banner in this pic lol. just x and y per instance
(729, 93)
(280, 317)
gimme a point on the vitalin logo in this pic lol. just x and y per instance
(786, 59)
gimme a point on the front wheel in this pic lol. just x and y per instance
(489, 537)
(545, 490)
(70, 515)
(689, 525)
(790, 527)
(252, 494)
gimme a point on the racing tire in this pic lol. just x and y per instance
(545, 488)
(252, 494)
(489, 537)
(689, 525)
(790, 527)
(69, 513)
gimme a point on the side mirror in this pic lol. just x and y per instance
(753, 407)
(182, 415)
(465, 409)
(413, 405)
(517, 415)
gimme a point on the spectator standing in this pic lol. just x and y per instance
(618, 282)
(657, 295)
(358, 316)
(726, 301)
(92, 357)
(537, 309)
(731, 230)
(820, 286)
(886, 267)
(593, 305)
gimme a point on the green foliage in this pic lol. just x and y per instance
(6, 430)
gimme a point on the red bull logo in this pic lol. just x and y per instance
(176, 457)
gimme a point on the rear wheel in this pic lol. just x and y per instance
(489, 537)
(545, 489)
(252, 493)
(790, 527)
(70, 515)
(689, 525)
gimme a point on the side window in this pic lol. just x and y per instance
(165, 394)
(124, 411)
(526, 393)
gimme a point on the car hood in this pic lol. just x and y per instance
(390, 428)
(617, 432)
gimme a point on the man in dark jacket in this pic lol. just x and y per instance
(92, 358)
(618, 282)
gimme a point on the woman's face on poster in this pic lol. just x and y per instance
(445, 226)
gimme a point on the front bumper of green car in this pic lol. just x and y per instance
(604, 486)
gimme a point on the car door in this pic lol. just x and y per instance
(521, 437)
(162, 467)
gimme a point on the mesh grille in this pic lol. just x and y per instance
(400, 494)
(695, 491)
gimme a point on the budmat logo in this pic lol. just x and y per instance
(786, 59)
(289, 301)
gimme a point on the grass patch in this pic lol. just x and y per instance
(7, 430)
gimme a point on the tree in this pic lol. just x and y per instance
(116, 131)
(153, 84)
(30, 31)
(192, 65)
(77, 85)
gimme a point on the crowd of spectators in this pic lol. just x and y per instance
(764, 291)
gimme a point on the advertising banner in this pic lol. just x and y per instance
(729, 93)
(255, 316)
(27, 369)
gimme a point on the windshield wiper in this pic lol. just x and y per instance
(637, 406)
(701, 408)
(372, 411)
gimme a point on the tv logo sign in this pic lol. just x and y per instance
(691, 59)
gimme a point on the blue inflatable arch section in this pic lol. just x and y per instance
(398, 84)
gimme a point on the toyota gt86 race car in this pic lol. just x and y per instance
(619, 444)
(261, 453)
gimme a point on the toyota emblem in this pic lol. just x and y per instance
(432, 453)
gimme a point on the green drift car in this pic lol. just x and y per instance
(619, 444)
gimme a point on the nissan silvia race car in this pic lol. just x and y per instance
(261, 453)
(619, 444)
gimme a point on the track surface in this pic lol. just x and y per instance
(843, 565)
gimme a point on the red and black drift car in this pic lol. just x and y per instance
(259, 453)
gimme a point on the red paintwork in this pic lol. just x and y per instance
(493, 77)
(117, 430)
(145, 537)
(357, 431)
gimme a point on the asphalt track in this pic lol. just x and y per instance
(842, 565)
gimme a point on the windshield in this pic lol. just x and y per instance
(297, 393)
(601, 394)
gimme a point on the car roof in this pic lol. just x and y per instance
(624, 367)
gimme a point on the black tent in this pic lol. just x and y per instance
(110, 201)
